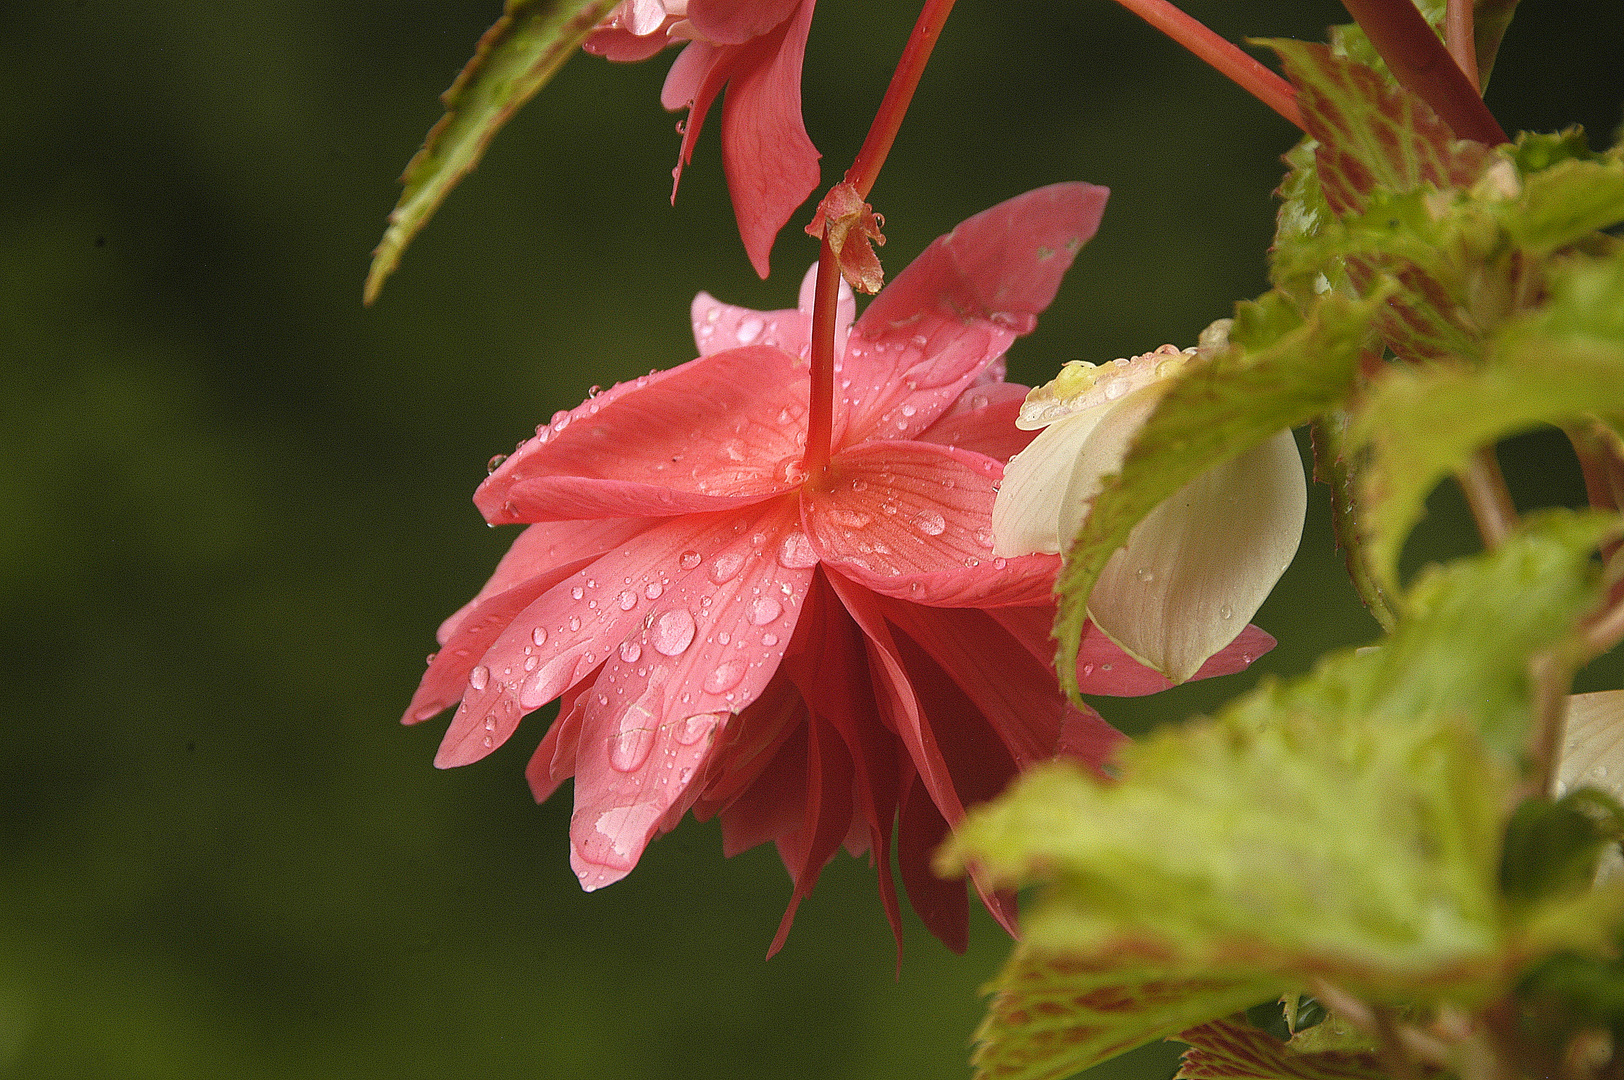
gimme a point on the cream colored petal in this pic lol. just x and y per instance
(1102, 453)
(1593, 754)
(1026, 513)
(1197, 568)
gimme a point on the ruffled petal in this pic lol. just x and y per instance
(623, 46)
(554, 760)
(982, 420)
(1197, 568)
(1014, 690)
(771, 165)
(708, 435)
(913, 520)
(1026, 515)
(621, 598)
(732, 22)
(959, 305)
(707, 648)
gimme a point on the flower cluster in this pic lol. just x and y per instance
(815, 658)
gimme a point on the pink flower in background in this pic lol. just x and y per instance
(810, 658)
(754, 48)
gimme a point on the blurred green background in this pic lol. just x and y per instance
(234, 505)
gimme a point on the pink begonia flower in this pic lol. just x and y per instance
(809, 658)
(754, 48)
(1199, 565)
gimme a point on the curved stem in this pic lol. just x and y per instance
(1485, 489)
(1221, 54)
(882, 133)
(1461, 39)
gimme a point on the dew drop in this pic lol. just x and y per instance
(577, 592)
(1115, 388)
(796, 553)
(1599, 772)
(429, 659)
(1226, 612)
(690, 559)
(629, 747)
(790, 471)
(1145, 574)
(530, 662)
(494, 463)
(725, 567)
(750, 328)
(859, 485)
(849, 519)
(575, 623)
(999, 564)
(628, 600)
(539, 636)
(690, 730)
(653, 590)
(931, 523)
(726, 676)
(763, 610)
(908, 410)
(672, 632)
(489, 742)
(769, 639)
(480, 677)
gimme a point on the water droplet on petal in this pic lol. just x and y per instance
(630, 651)
(628, 600)
(575, 623)
(429, 659)
(672, 632)
(726, 566)
(539, 636)
(494, 463)
(1145, 574)
(653, 590)
(763, 610)
(690, 559)
(577, 592)
(750, 328)
(796, 552)
(908, 410)
(725, 677)
(1226, 612)
(931, 523)
(769, 639)
(790, 471)
(480, 677)
(693, 728)
(530, 662)
(629, 747)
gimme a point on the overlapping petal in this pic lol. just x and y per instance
(711, 434)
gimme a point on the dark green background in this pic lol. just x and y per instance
(234, 505)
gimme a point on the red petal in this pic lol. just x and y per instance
(623, 46)
(914, 520)
(941, 905)
(719, 326)
(1014, 690)
(770, 163)
(983, 420)
(1104, 669)
(731, 22)
(708, 435)
(827, 816)
(554, 760)
(960, 305)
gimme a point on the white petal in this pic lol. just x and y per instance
(1593, 755)
(1197, 568)
(1026, 513)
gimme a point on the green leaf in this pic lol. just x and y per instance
(1051, 1016)
(1346, 825)
(1278, 372)
(1561, 363)
(516, 57)
(1231, 1049)
(1490, 18)
(1372, 134)
(1564, 203)
(1337, 468)
(1552, 848)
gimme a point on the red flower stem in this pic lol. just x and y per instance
(888, 120)
(1421, 64)
(862, 174)
(1460, 40)
(821, 406)
(1224, 56)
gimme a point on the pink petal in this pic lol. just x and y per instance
(748, 746)
(684, 82)
(960, 305)
(707, 649)
(590, 616)
(983, 420)
(1103, 668)
(914, 520)
(941, 905)
(1014, 690)
(530, 568)
(826, 818)
(554, 760)
(719, 326)
(711, 434)
(771, 806)
(622, 46)
(732, 22)
(770, 163)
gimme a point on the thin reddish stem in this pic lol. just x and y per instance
(1461, 41)
(1421, 64)
(862, 174)
(821, 406)
(1222, 55)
